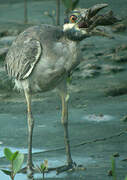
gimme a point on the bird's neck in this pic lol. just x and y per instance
(73, 33)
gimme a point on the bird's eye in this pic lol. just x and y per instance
(73, 18)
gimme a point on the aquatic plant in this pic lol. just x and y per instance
(16, 160)
(43, 168)
(70, 4)
(113, 168)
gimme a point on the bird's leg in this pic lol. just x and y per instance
(30, 132)
(64, 121)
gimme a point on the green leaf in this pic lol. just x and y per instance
(126, 178)
(8, 154)
(6, 172)
(42, 167)
(113, 168)
(75, 3)
(14, 155)
(70, 4)
(17, 163)
(67, 3)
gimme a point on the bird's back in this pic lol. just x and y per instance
(27, 49)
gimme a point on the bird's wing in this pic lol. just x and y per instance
(22, 57)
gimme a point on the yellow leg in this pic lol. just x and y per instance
(64, 121)
(30, 130)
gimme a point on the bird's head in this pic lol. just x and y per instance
(85, 20)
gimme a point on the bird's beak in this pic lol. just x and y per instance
(86, 15)
(95, 9)
(89, 18)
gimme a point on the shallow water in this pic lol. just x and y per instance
(92, 114)
(83, 127)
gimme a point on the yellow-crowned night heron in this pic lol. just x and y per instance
(41, 58)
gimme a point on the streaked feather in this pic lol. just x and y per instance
(22, 57)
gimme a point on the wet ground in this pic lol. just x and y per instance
(96, 109)
(90, 119)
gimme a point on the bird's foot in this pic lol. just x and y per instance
(29, 170)
(70, 167)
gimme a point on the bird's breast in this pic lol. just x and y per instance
(54, 64)
(68, 53)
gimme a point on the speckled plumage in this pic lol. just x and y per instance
(41, 57)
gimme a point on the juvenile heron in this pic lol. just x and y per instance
(41, 58)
